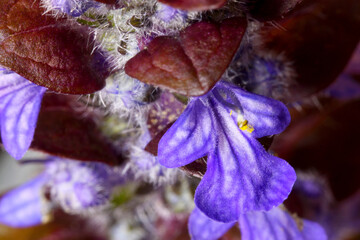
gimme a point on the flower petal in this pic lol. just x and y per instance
(188, 139)
(22, 206)
(278, 224)
(19, 109)
(202, 227)
(266, 115)
(241, 176)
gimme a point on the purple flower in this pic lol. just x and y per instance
(129, 93)
(24, 206)
(276, 224)
(80, 186)
(77, 187)
(20, 102)
(73, 8)
(262, 73)
(224, 125)
(167, 14)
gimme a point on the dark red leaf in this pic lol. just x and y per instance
(46, 51)
(319, 38)
(266, 10)
(64, 132)
(192, 63)
(327, 142)
(195, 5)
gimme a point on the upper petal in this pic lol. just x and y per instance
(241, 176)
(202, 227)
(266, 115)
(278, 224)
(189, 138)
(19, 109)
(22, 206)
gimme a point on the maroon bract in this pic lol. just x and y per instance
(195, 5)
(64, 132)
(267, 10)
(319, 38)
(46, 51)
(192, 63)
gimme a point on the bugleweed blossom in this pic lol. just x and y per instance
(155, 115)
(241, 176)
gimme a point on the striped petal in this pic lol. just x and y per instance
(188, 139)
(202, 227)
(22, 207)
(241, 176)
(266, 115)
(278, 224)
(19, 109)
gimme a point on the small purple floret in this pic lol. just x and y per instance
(22, 207)
(167, 13)
(79, 186)
(73, 8)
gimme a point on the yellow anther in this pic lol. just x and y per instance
(245, 126)
(242, 123)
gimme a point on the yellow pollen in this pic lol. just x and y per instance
(243, 124)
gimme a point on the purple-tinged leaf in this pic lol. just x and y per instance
(19, 109)
(334, 129)
(267, 10)
(347, 85)
(307, 28)
(278, 224)
(202, 227)
(22, 206)
(345, 88)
